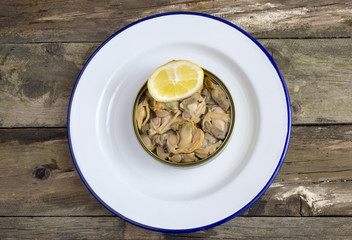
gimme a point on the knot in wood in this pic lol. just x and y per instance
(42, 172)
(51, 48)
(296, 108)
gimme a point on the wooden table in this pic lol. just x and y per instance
(44, 45)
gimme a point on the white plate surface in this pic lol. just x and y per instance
(146, 192)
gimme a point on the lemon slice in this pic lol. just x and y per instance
(175, 80)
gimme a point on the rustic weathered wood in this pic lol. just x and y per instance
(43, 47)
(288, 19)
(318, 74)
(55, 21)
(37, 79)
(115, 228)
(38, 177)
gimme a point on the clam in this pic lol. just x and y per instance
(161, 113)
(217, 94)
(159, 125)
(188, 157)
(210, 144)
(190, 138)
(215, 108)
(193, 107)
(186, 140)
(177, 124)
(183, 157)
(216, 124)
(149, 143)
(159, 139)
(166, 143)
(172, 141)
(176, 158)
(143, 113)
(207, 96)
(167, 106)
(145, 129)
(162, 152)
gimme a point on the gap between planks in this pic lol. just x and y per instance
(102, 41)
(293, 125)
(115, 228)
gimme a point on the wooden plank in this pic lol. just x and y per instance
(316, 177)
(288, 19)
(115, 228)
(54, 21)
(319, 83)
(36, 80)
(38, 177)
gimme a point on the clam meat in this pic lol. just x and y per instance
(188, 130)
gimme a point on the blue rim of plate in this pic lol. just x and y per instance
(283, 155)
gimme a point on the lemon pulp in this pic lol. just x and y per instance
(175, 80)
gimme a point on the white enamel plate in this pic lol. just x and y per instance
(148, 193)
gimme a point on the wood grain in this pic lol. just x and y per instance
(38, 176)
(39, 179)
(25, 21)
(43, 47)
(36, 80)
(318, 74)
(115, 228)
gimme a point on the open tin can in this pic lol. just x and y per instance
(190, 158)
